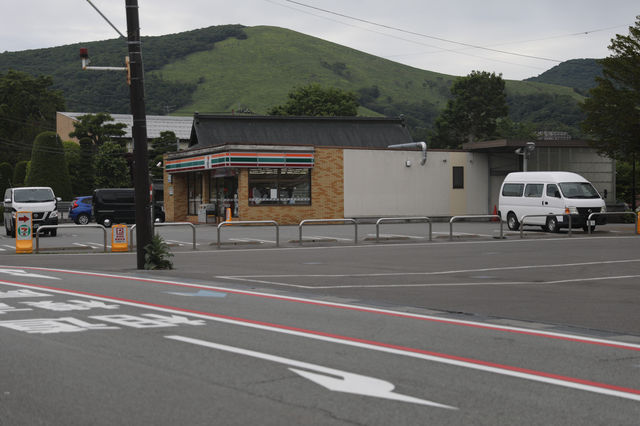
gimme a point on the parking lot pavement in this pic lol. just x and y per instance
(180, 237)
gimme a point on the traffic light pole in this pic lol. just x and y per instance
(144, 230)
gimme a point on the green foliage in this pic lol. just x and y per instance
(613, 110)
(315, 101)
(6, 176)
(547, 111)
(28, 106)
(108, 91)
(20, 173)
(86, 176)
(157, 254)
(579, 74)
(167, 142)
(479, 100)
(97, 128)
(111, 169)
(232, 68)
(49, 166)
(74, 164)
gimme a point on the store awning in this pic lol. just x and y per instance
(240, 159)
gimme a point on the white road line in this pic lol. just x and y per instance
(585, 385)
(416, 237)
(320, 237)
(251, 240)
(183, 242)
(548, 334)
(455, 271)
(330, 378)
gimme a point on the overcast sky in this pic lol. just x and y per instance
(516, 38)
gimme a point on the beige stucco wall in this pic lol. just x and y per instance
(378, 183)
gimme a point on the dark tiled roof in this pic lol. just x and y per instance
(213, 130)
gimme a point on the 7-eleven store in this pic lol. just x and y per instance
(277, 183)
(275, 168)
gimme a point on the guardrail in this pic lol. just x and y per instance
(393, 219)
(635, 217)
(251, 222)
(89, 225)
(541, 215)
(324, 221)
(480, 216)
(193, 228)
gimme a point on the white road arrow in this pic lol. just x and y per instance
(334, 380)
(23, 273)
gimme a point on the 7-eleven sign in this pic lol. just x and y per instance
(24, 234)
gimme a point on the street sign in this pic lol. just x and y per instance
(24, 232)
(119, 238)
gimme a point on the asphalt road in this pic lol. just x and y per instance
(474, 331)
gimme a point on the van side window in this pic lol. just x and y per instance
(512, 189)
(552, 191)
(533, 190)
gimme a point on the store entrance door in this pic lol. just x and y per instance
(224, 193)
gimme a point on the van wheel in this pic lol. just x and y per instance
(512, 222)
(586, 228)
(106, 222)
(53, 232)
(552, 224)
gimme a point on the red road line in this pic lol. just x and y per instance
(443, 356)
(514, 330)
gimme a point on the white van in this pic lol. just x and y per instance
(37, 199)
(543, 193)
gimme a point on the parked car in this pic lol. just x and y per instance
(39, 200)
(80, 209)
(117, 205)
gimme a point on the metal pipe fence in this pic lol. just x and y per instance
(541, 215)
(326, 221)
(479, 216)
(89, 225)
(250, 222)
(395, 219)
(635, 217)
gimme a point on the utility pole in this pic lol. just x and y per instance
(141, 182)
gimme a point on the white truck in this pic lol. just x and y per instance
(40, 200)
(547, 193)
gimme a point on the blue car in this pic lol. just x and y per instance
(80, 210)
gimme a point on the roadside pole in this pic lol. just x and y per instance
(144, 230)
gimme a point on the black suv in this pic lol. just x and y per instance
(117, 205)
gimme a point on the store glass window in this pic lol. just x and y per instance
(279, 186)
(194, 191)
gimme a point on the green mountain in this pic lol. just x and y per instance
(579, 74)
(250, 69)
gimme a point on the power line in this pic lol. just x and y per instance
(423, 35)
(438, 48)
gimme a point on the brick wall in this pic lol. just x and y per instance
(327, 193)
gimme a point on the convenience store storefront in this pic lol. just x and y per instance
(253, 185)
(268, 167)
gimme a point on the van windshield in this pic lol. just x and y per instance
(33, 195)
(578, 190)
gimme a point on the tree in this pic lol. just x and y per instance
(471, 115)
(74, 164)
(315, 101)
(613, 108)
(97, 128)
(110, 166)
(6, 176)
(86, 176)
(20, 173)
(167, 142)
(48, 165)
(27, 107)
